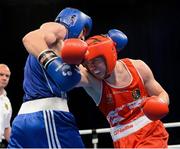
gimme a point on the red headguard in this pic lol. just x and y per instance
(101, 45)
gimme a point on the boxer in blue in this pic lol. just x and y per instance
(44, 120)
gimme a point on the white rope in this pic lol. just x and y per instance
(107, 130)
(90, 131)
(170, 125)
(173, 146)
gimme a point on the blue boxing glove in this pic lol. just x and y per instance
(119, 38)
(75, 21)
(64, 75)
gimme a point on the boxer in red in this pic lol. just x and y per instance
(125, 90)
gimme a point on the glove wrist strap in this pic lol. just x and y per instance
(46, 56)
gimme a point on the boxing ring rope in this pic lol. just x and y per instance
(95, 132)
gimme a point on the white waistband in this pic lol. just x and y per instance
(120, 131)
(53, 103)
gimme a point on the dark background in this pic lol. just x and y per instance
(152, 27)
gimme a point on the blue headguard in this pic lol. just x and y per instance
(75, 21)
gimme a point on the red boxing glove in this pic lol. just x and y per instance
(73, 51)
(155, 108)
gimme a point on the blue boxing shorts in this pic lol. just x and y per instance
(47, 128)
